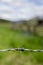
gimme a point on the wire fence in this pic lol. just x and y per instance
(20, 49)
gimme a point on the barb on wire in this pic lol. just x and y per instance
(20, 49)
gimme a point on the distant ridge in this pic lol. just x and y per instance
(20, 21)
(4, 20)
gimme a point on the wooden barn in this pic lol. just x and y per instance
(34, 26)
(39, 28)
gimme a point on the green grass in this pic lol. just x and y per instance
(11, 39)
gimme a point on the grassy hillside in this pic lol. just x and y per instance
(11, 39)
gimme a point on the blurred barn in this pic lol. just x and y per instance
(34, 26)
(39, 28)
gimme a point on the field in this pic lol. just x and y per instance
(11, 39)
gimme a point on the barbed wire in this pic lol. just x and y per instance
(20, 49)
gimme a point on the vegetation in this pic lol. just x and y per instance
(11, 39)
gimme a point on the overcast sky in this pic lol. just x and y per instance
(20, 9)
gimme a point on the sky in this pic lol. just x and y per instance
(20, 9)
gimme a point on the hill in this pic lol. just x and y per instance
(4, 21)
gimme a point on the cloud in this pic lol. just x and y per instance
(19, 9)
(6, 1)
(37, 2)
(39, 10)
(6, 9)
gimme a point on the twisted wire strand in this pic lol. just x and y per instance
(20, 49)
